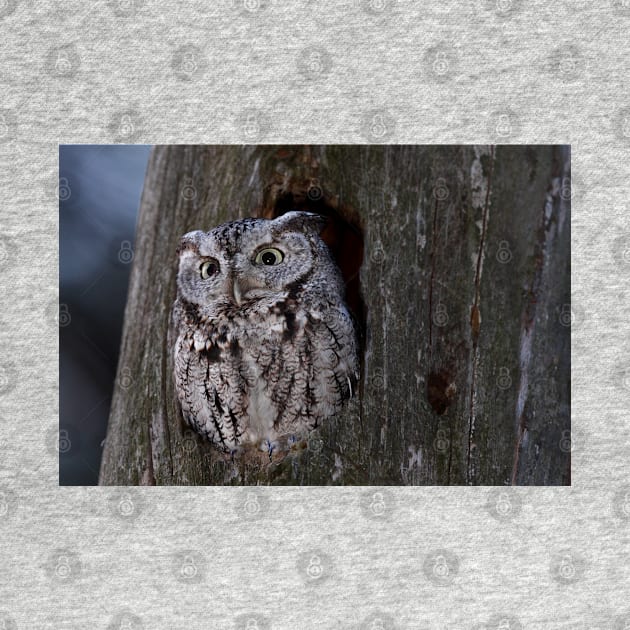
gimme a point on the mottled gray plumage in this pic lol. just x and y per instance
(266, 349)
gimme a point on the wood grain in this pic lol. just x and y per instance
(458, 262)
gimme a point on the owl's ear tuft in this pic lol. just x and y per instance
(190, 241)
(301, 221)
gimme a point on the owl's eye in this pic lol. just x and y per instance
(208, 269)
(269, 256)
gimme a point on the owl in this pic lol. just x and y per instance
(266, 348)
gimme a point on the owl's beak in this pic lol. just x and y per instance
(240, 289)
(236, 291)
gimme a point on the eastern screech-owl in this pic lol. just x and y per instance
(266, 348)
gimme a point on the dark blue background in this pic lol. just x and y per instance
(99, 195)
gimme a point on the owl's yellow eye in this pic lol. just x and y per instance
(208, 269)
(269, 256)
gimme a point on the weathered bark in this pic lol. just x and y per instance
(465, 282)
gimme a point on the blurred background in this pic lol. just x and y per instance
(99, 195)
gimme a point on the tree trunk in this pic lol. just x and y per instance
(457, 261)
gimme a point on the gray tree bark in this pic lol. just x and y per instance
(461, 258)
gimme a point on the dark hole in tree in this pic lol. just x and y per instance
(441, 391)
(343, 234)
